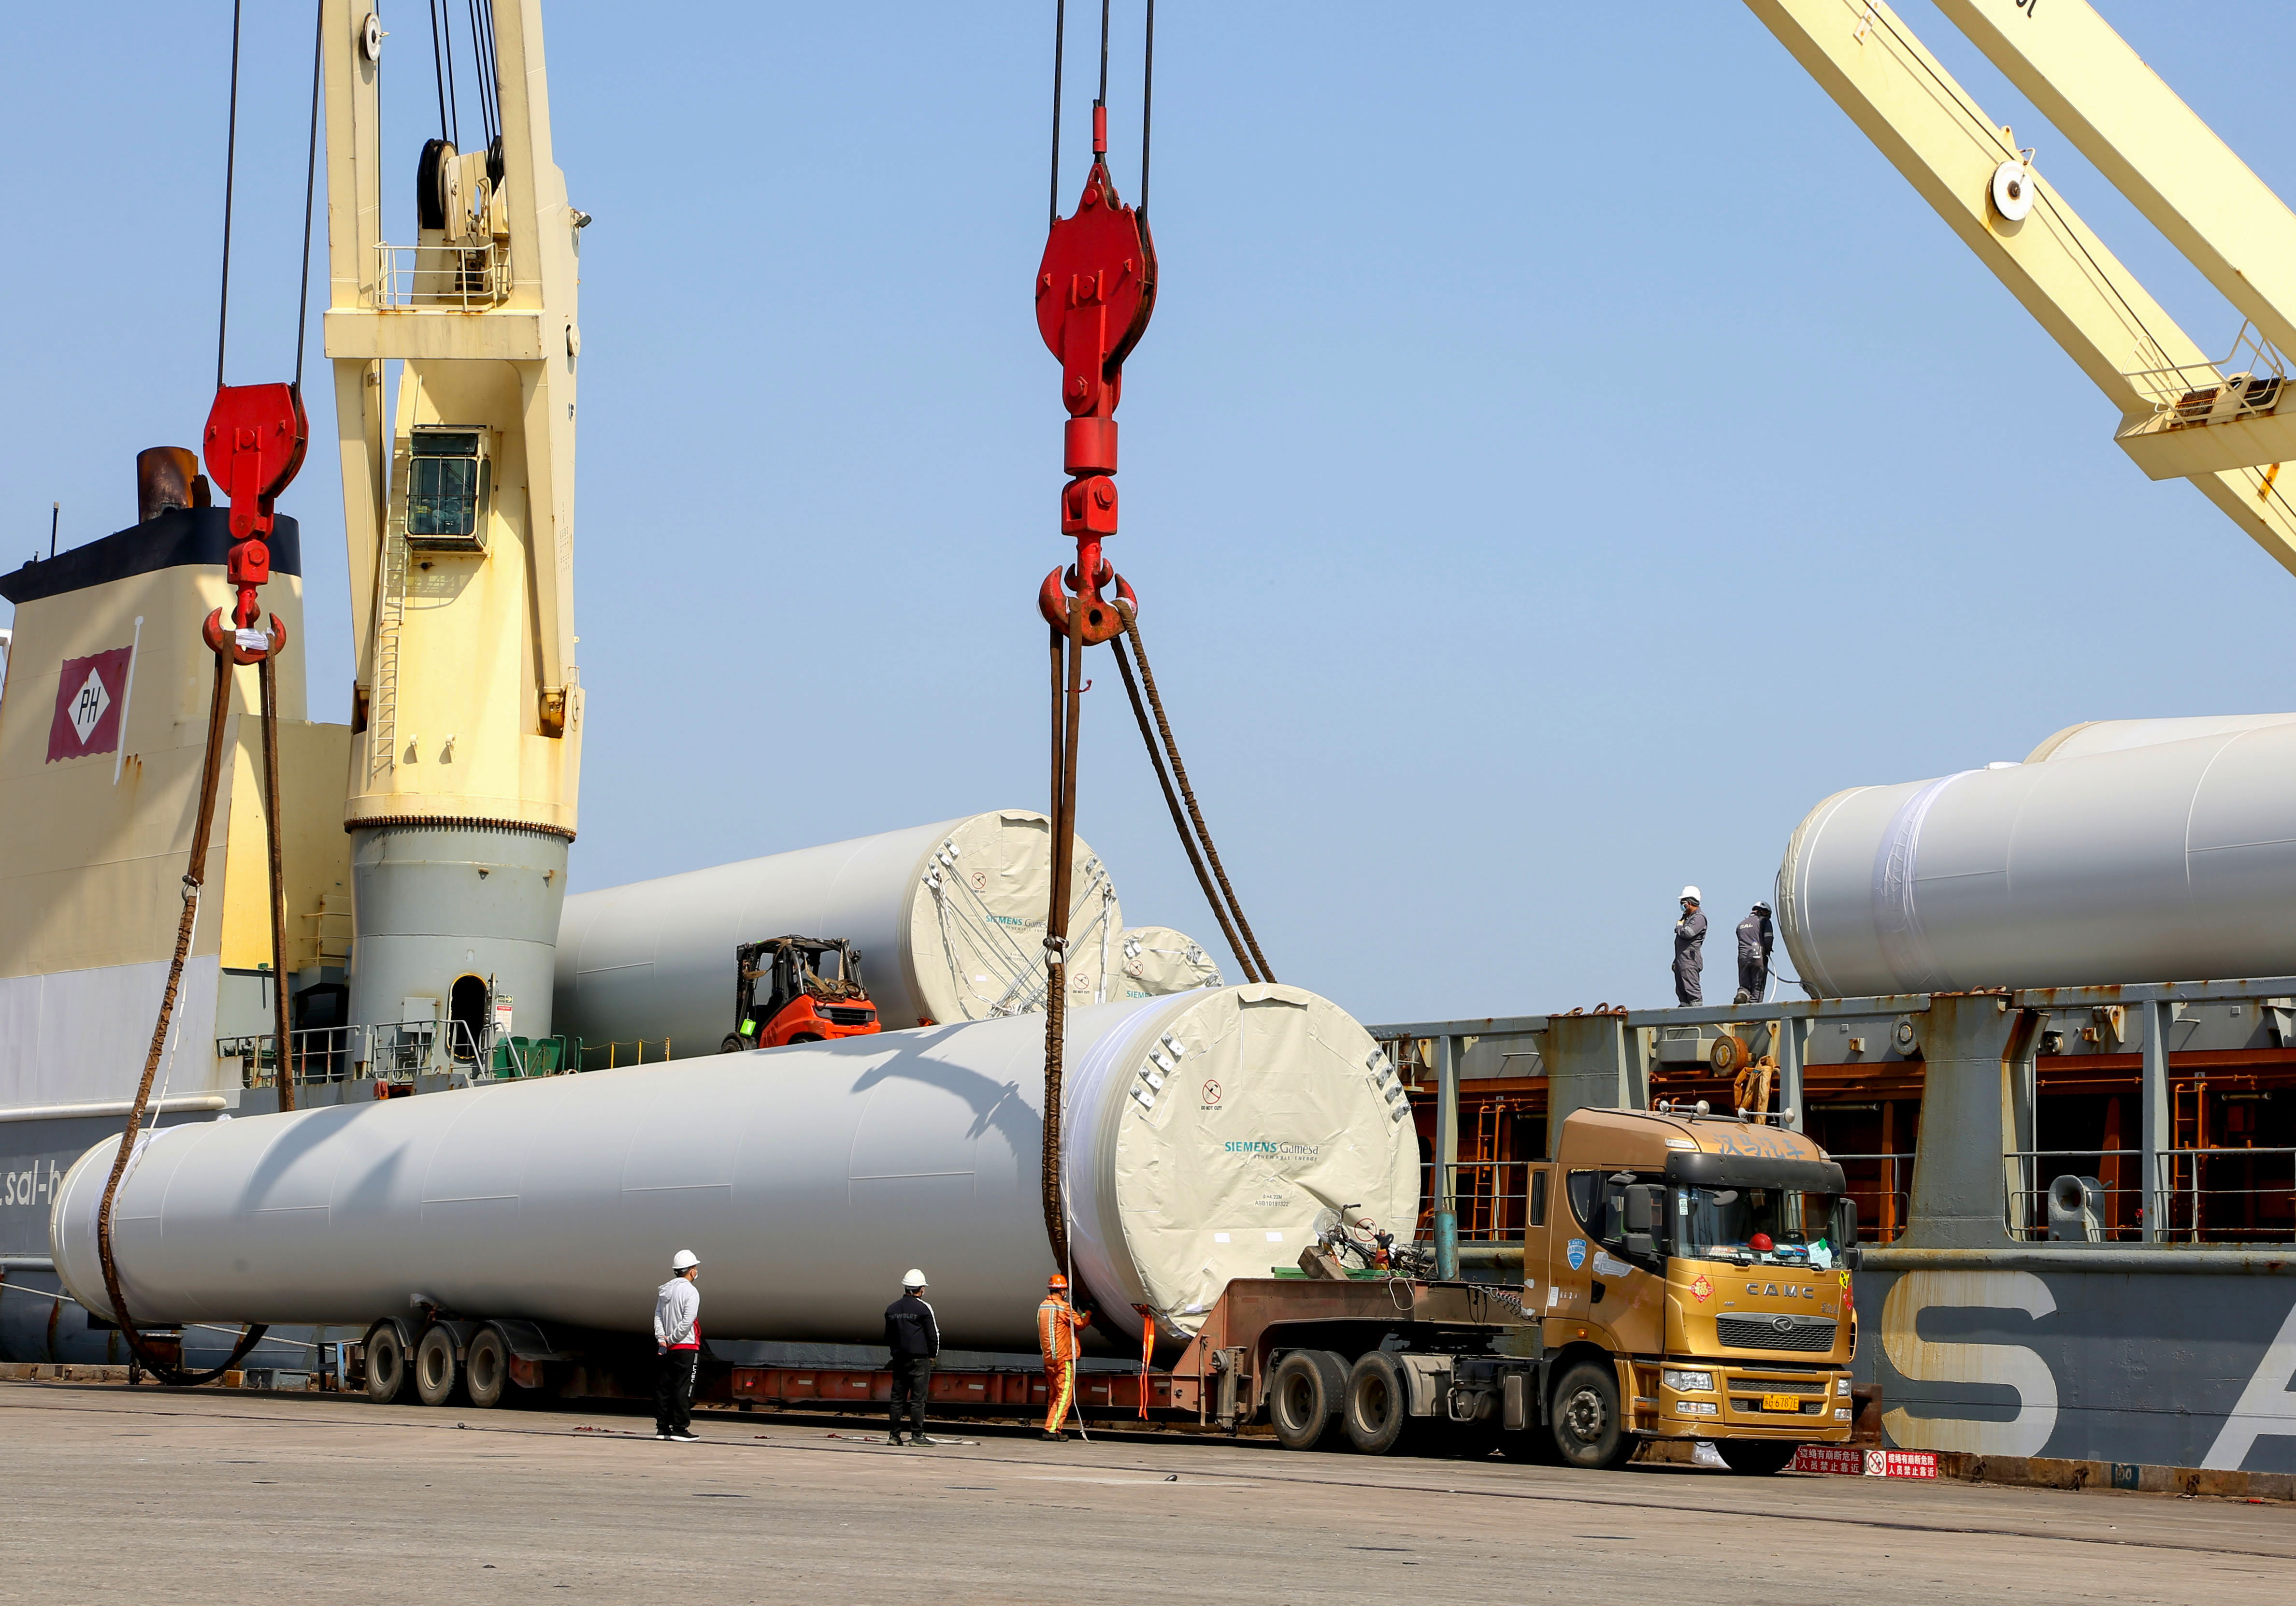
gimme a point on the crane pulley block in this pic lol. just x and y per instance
(254, 444)
(1096, 290)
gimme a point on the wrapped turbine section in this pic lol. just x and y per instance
(949, 920)
(1205, 1134)
(2124, 859)
(1155, 962)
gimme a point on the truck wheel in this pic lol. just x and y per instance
(1587, 1430)
(1378, 1413)
(437, 1372)
(386, 1363)
(1304, 1396)
(1755, 1457)
(486, 1370)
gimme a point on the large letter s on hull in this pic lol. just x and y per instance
(2007, 1364)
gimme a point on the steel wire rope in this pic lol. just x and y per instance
(230, 170)
(310, 190)
(482, 46)
(1179, 819)
(1147, 107)
(438, 68)
(1060, 39)
(454, 91)
(1130, 616)
(131, 1140)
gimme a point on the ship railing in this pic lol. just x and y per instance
(2227, 1195)
(459, 278)
(1491, 1198)
(2199, 1195)
(392, 1050)
(1884, 1198)
(2204, 393)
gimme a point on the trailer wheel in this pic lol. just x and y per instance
(437, 1371)
(1304, 1396)
(1378, 1414)
(485, 1371)
(386, 1363)
(1587, 1430)
(1755, 1457)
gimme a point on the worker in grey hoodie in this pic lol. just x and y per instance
(678, 1347)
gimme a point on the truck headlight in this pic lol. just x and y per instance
(1696, 1407)
(1842, 1413)
(1687, 1383)
(1841, 1385)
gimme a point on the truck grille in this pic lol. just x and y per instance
(839, 1015)
(1775, 1332)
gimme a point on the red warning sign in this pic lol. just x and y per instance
(89, 695)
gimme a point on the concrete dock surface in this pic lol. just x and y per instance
(208, 1496)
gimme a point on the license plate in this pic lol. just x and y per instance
(1782, 1401)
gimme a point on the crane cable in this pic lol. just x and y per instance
(133, 1137)
(1225, 905)
(1068, 685)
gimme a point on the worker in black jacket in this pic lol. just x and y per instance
(914, 1336)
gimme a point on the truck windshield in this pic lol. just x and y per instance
(1776, 1226)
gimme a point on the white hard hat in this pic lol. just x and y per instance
(1690, 893)
(683, 1260)
(915, 1279)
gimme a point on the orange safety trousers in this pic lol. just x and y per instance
(1056, 1324)
(1060, 1391)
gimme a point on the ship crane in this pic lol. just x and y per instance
(2226, 423)
(459, 513)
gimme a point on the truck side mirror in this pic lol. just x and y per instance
(1845, 1233)
(1640, 1246)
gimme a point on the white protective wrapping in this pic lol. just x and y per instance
(806, 1178)
(949, 919)
(1155, 962)
(2161, 861)
(2094, 736)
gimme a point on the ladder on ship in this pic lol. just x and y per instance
(390, 622)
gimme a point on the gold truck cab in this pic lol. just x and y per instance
(1693, 1283)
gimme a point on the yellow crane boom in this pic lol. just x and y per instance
(2180, 416)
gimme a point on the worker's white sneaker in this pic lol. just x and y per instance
(661, 1436)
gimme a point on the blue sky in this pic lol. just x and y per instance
(1564, 451)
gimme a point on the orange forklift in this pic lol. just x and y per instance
(798, 990)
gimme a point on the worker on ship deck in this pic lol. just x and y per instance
(1689, 949)
(1057, 1322)
(1754, 941)
(913, 1334)
(678, 1347)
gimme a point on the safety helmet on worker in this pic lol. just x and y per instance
(1057, 1283)
(916, 1279)
(1690, 895)
(685, 1260)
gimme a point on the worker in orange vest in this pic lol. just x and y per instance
(1057, 1322)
